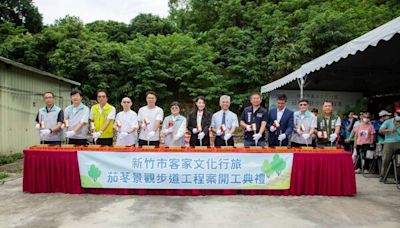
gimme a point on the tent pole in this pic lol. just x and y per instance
(300, 81)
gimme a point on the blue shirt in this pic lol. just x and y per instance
(391, 137)
(380, 138)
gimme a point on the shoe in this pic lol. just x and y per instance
(357, 171)
(366, 171)
(381, 179)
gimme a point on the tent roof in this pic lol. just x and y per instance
(368, 64)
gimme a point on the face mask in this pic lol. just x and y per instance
(366, 120)
(397, 118)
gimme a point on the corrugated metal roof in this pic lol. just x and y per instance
(37, 71)
(371, 38)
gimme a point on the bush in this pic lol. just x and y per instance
(7, 159)
(3, 175)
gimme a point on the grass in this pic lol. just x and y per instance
(7, 159)
(3, 175)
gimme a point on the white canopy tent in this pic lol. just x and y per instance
(369, 64)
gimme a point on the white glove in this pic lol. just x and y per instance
(282, 137)
(306, 136)
(227, 136)
(70, 134)
(176, 137)
(195, 131)
(123, 134)
(272, 129)
(150, 134)
(248, 128)
(37, 126)
(219, 132)
(201, 135)
(319, 134)
(168, 131)
(257, 136)
(96, 135)
(333, 137)
(45, 132)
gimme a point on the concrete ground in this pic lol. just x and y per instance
(376, 205)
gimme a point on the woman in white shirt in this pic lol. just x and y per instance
(174, 127)
(126, 124)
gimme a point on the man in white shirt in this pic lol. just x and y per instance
(126, 124)
(224, 123)
(150, 118)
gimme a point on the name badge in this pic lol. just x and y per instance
(259, 115)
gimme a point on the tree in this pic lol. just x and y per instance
(147, 24)
(278, 164)
(267, 168)
(112, 30)
(94, 172)
(174, 65)
(21, 13)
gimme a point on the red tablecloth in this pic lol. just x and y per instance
(313, 173)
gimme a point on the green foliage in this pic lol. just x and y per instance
(3, 175)
(267, 168)
(148, 24)
(7, 159)
(21, 13)
(278, 164)
(94, 172)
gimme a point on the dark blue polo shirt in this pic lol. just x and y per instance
(250, 117)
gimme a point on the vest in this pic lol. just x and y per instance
(99, 118)
(81, 116)
(328, 125)
(50, 121)
(168, 140)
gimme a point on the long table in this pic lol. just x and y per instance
(49, 169)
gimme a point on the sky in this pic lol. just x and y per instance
(92, 10)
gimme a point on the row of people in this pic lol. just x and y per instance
(283, 124)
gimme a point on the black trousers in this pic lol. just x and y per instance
(363, 149)
(293, 144)
(194, 141)
(151, 143)
(219, 141)
(77, 141)
(51, 142)
(105, 141)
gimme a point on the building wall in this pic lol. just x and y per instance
(20, 98)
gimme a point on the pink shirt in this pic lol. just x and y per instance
(364, 133)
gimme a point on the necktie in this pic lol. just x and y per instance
(223, 122)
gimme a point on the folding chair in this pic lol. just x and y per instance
(393, 163)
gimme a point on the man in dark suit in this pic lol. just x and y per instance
(280, 123)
